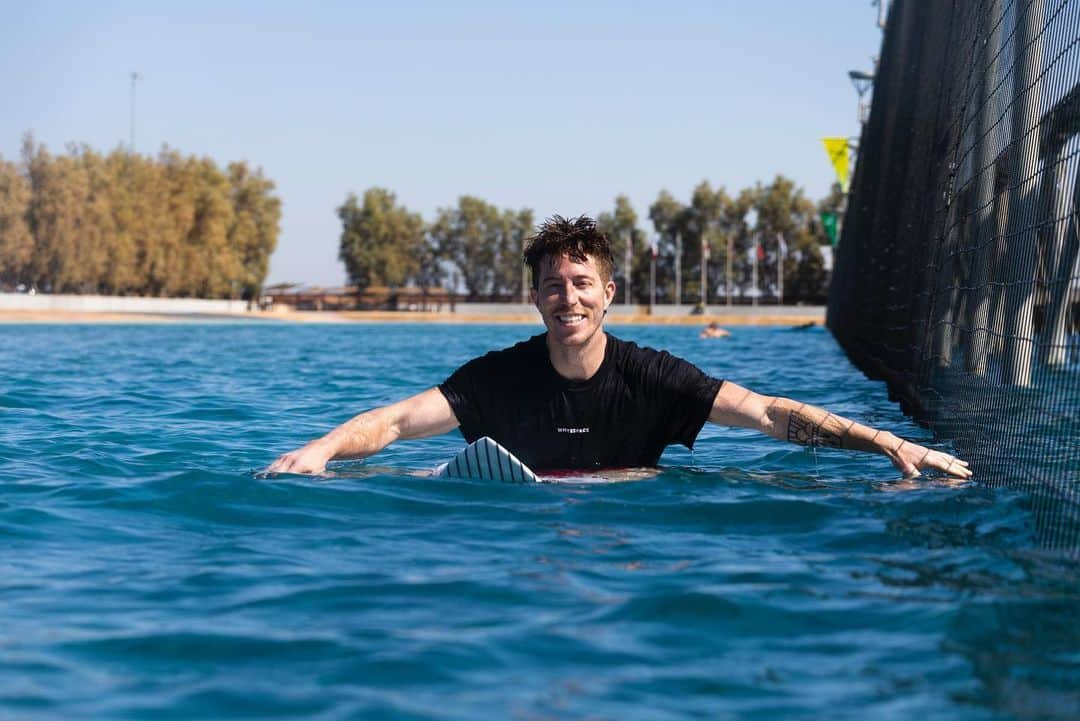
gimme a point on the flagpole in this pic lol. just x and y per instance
(678, 268)
(704, 273)
(781, 251)
(652, 277)
(131, 145)
(753, 283)
(727, 266)
(524, 268)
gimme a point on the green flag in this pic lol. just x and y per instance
(828, 221)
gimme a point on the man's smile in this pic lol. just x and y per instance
(569, 318)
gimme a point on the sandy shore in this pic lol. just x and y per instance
(779, 316)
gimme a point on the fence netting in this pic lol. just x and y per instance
(956, 279)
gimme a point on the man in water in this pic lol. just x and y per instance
(713, 330)
(577, 398)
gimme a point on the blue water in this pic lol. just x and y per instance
(148, 572)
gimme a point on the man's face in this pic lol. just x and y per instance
(572, 299)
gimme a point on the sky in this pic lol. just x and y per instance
(555, 106)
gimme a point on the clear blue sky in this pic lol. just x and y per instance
(557, 106)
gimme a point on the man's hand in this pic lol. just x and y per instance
(311, 458)
(910, 458)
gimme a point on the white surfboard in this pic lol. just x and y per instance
(487, 460)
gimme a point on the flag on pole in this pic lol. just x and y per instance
(828, 222)
(760, 251)
(837, 148)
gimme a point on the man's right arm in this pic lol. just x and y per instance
(422, 415)
(807, 425)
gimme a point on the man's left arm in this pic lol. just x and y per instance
(808, 425)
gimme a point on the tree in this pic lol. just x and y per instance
(621, 228)
(57, 204)
(254, 230)
(470, 237)
(736, 223)
(515, 227)
(806, 277)
(121, 274)
(716, 217)
(709, 227)
(382, 243)
(165, 255)
(208, 261)
(668, 216)
(834, 202)
(124, 223)
(145, 224)
(96, 241)
(784, 211)
(16, 243)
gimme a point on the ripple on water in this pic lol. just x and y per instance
(151, 571)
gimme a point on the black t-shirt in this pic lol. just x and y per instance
(639, 402)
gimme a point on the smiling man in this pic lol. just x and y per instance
(578, 398)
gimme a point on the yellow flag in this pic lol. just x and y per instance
(837, 149)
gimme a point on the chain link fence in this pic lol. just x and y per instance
(956, 279)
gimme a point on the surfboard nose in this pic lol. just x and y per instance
(486, 460)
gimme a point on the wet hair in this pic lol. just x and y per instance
(577, 238)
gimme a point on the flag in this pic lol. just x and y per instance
(781, 244)
(828, 221)
(760, 251)
(837, 148)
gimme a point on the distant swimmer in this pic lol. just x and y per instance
(713, 330)
(578, 398)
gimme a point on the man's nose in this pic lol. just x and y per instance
(569, 293)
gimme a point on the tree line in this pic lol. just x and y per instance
(180, 226)
(127, 224)
(738, 239)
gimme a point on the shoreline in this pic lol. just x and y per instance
(761, 315)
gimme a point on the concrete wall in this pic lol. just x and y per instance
(659, 311)
(117, 304)
(196, 306)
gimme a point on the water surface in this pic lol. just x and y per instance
(149, 572)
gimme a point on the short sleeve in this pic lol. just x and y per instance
(462, 390)
(687, 394)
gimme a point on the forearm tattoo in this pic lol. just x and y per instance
(805, 432)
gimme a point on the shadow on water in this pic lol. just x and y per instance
(1022, 641)
(1026, 439)
(1013, 605)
